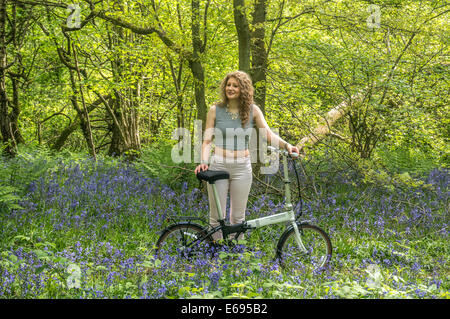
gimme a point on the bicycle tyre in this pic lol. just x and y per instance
(179, 238)
(315, 240)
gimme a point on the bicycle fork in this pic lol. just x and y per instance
(298, 238)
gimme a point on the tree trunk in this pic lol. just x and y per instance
(199, 78)
(195, 64)
(252, 50)
(259, 53)
(125, 128)
(14, 115)
(324, 128)
(5, 123)
(243, 32)
(124, 108)
(57, 146)
(87, 129)
(176, 77)
(84, 117)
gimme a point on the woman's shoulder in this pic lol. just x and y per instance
(255, 106)
(212, 110)
(216, 106)
(256, 110)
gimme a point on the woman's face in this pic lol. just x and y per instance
(232, 89)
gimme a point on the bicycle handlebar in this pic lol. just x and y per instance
(283, 152)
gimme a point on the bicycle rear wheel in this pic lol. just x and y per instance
(183, 239)
(318, 249)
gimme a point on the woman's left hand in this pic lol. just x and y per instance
(292, 149)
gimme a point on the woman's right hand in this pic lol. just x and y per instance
(200, 168)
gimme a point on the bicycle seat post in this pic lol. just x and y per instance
(211, 177)
(217, 201)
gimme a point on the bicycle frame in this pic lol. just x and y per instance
(287, 216)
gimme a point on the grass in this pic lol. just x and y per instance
(98, 221)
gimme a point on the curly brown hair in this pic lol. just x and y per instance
(246, 96)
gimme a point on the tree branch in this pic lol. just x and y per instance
(144, 31)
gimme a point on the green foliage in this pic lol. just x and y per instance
(156, 161)
(32, 164)
(390, 182)
(379, 283)
(8, 198)
(408, 160)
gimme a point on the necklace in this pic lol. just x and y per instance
(233, 115)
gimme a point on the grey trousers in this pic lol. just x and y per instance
(240, 170)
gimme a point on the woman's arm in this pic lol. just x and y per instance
(272, 138)
(207, 139)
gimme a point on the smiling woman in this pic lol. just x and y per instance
(231, 121)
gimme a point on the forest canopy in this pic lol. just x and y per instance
(364, 77)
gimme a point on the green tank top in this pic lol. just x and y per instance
(229, 133)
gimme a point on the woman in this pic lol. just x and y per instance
(237, 113)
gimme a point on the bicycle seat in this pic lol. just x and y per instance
(212, 176)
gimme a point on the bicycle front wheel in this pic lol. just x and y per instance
(183, 239)
(316, 256)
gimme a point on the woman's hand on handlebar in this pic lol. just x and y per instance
(292, 149)
(200, 168)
